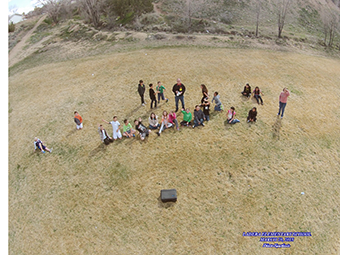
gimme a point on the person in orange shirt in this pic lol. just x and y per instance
(78, 120)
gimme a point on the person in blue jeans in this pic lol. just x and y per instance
(231, 116)
(179, 90)
(198, 117)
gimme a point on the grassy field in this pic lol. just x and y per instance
(86, 198)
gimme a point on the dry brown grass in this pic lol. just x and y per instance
(85, 198)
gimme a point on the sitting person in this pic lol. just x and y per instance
(252, 115)
(187, 117)
(165, 122)
(127, 129)
(153, 121)
(143, 131)
(173, 119)
(231, 116)
(104, 137)
(39, 144)
(218, 104)
(257, 95)
(198, 117)
(246, 91)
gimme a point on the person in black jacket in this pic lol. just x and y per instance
(141, 91)
(179, 90)
(252, 115)
(246, 91)
(143, 131)
(198, 117)
(152, 94)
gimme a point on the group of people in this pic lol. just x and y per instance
(168, 120)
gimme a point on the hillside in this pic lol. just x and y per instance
(86, 198)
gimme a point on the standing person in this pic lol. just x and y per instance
(283, 101)
(246, 90)
(141, 91)
(106, 139)
(187, 117)
(127, 129)
(115, 127)
(198, 117)
(231, 116)
(165, 122)
(143, 131)
(218, 104)
(179, 90)
(160, 91)
(204, 93)
(153, 121)
(78, 120)
(152, 94)
(252, 115)
(257, 95)
(206, 110)
(173, 119)
(39, 144)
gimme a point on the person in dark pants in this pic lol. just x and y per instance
(152, 94)
(198, 117)
(257, 94)
(252, 115)
(38, 144)
(204, 93)
(283, 101)
(247, 90)
(141, 91)
(104, 137)
(179, 90)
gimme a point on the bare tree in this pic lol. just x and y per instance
(258, 7)
(282, 8)
(331, 23)
(52, 7)
(91, 10)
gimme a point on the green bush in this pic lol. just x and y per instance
(11, 27)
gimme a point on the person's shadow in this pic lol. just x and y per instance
(276, 129)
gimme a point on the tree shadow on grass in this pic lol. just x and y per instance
(276, 129)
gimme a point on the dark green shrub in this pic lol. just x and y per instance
(11, 27)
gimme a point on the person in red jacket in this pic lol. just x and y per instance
(78, 120)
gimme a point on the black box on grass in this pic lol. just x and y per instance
(168, 195)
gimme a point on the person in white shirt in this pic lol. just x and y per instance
(115, 127)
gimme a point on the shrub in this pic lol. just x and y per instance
(11, 27)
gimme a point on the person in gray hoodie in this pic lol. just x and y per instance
(198, 117)
(218, 104)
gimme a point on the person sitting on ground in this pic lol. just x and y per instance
(173, 119)
(160, 91)
(115, 127)
(252, 115)
(127, 129)
(247, 90)
(165, 122)
(218, 104)
(204, 93)
(187, 117)
(104, 137)
(153, 121)
(206, 110)
(143, 131)
(39, 144)
(231, 116)
(198, 117)
(257, 95)
(78, 120)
